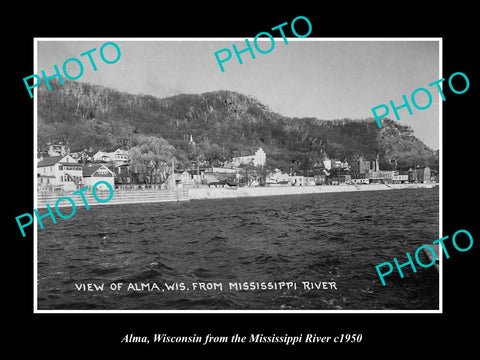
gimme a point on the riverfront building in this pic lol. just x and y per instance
(95, 173)
(360, 167)
(61, 172)
(400, 177)
(423, 175)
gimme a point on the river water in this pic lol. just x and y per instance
(184, 256)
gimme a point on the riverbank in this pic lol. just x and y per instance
(221, 193)
(121, 197)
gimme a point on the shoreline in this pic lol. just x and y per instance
(226, 193)
(122, 197)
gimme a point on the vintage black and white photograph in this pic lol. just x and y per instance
(225, 174)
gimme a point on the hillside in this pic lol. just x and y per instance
(220, 122)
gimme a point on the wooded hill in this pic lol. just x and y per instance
(220, 122)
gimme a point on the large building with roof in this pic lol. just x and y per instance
(95, 173)
(59, 172)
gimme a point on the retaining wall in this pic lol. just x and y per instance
(119, 197)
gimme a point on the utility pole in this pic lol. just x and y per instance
(173, 173)
(198, 172)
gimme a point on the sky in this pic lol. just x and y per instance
(310, 77)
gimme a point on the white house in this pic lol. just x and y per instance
(95, 173)
(277, 178)
(403, 178)
(216, 169)
(57, 149)
(258, 159)
(118, 157)
(102, 156)
(298, 180)
(59, 171)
